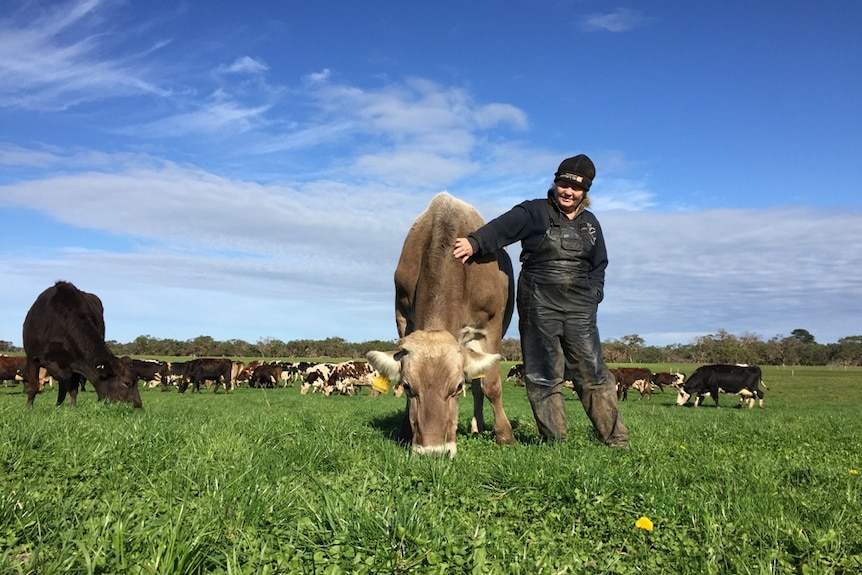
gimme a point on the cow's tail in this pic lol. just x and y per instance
(763, 383)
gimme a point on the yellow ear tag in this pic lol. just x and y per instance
(380, 384)
(479, 376)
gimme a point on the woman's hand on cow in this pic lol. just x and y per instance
(463, 250)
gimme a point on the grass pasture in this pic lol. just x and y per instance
(269, 481)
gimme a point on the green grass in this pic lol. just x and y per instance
(270, 481)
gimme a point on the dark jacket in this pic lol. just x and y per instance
(528, 222)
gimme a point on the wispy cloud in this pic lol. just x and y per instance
(620, 20)
(219, 114)
(56, 61)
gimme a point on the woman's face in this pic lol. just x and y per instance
(568, 197)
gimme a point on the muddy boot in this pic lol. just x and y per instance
(600, 403)
(549, 409)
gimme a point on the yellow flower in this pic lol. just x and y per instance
(682, 446)
(644, 523)
(854, 472)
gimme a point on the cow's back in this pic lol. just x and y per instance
(434, 290)
(63, 316)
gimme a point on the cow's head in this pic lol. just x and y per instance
(432, 368)
(695, 385)
(117, 382)
(682, 396)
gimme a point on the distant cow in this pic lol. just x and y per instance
(265, 375)
(516, 374)
(638, 378)
(13, 368)
(712, 379)
(203, 369)
(176, 374)
(64, 332)
(315, 378)
(451, 318)
(664, 378)
(150, 371)
(347, 376)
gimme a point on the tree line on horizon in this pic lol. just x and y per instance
(799, 348)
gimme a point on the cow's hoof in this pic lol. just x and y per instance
(506, 439)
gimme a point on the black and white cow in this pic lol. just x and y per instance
(709, 380)
(516, 374)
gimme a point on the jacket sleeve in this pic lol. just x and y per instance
(506, 229)
(600, 263)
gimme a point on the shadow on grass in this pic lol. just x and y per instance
(388, 425)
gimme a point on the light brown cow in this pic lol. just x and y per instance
(451, 318)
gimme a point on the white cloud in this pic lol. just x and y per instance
(244, 65)
(204, 254)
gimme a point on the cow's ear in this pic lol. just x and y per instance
(387, 363)
(476, 362)
(105, 371)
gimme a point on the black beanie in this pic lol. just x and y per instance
(578, 170)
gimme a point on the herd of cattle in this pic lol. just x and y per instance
(347, 378)
(707, 380)
(344, 378)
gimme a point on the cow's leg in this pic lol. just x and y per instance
(477, 424)
(62, 384)
(75, 383)
(492, 388)
(404, 434)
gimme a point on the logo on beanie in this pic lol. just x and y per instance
(573, 177)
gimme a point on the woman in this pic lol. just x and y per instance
(563, 261)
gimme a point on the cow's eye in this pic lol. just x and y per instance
(459, 389)
(407, 389)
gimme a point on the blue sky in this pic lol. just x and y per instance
(249, 170)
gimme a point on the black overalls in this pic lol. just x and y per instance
(559, 336)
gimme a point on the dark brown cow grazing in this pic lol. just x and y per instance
(265, 375)
(13, 368)
(203, 369)
(451, 318)
(64, 332)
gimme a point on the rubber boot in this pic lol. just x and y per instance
(601, 405)
(549, 409)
